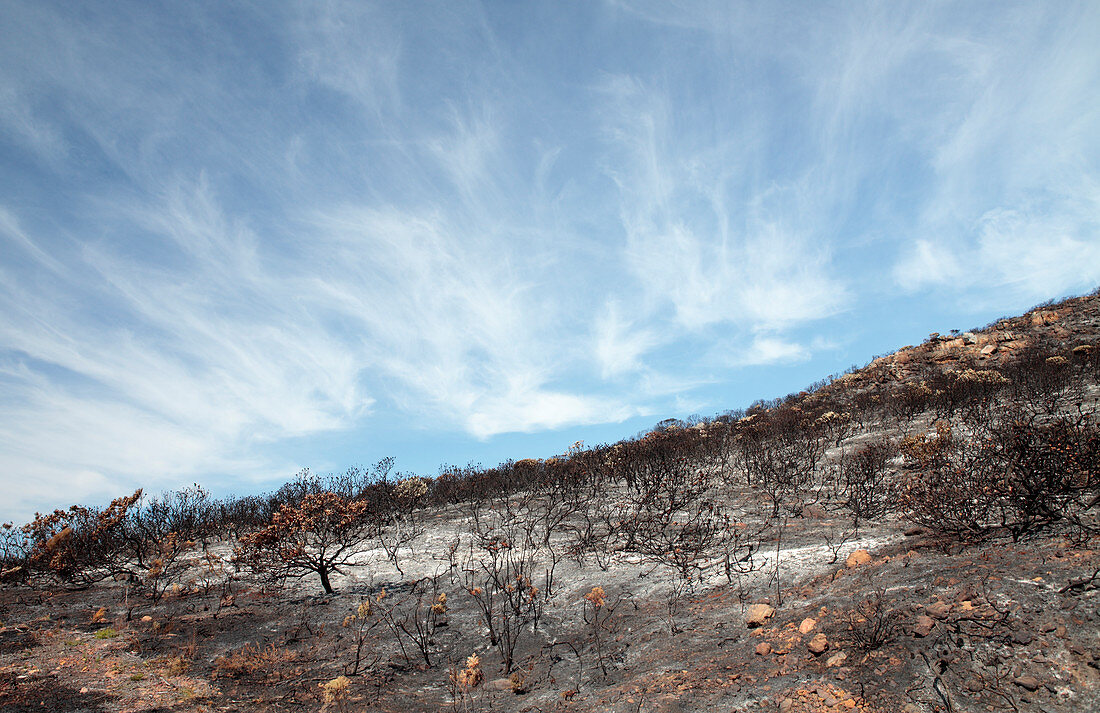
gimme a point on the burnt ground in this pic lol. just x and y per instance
(924, 625)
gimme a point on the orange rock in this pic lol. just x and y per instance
(924, 626)
(807, 626)
(757, 614)
(857, 558)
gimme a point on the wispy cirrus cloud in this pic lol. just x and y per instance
(708, 243)
(235, 242)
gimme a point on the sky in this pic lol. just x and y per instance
(238, 239)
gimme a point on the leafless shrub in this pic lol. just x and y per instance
(416, 616)
(499, 580)
(863, 479)
(872, 623)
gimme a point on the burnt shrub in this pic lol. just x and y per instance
(1014, 471)
(319, 535)
(944, 490)
(863, 479)
(79, 546)
(1050, 473)
(1044, 381)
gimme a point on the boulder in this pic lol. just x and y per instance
(814, 512)
(818, 645)
(857, 558)
(924, 626)
(1029, 682)
(757, 614)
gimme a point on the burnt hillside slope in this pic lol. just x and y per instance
(919, 534)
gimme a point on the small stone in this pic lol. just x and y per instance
(1023, 638)
(147, 618)
(786, 705)
(836, 660)
(757, 614)
(974, 685)
(818, 644)
(857, 558)
(914, 531)
(924, 626)
(938, 610)
(83, 690)
(807, 626)
(499, 684)
(1060, 632)
(1029, 682)
(763, 648)
(814, 512)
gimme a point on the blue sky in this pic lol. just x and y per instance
(237, 239)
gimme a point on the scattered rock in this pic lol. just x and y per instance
(147, 618)
(975, 685)
(763, 648)
(1029, 682)
(818, 645)
(807, 626)
(757, 614)
(857, 558)
(499, 684)
(924, 626)
(1023, 638)
(938, 610)
(836, 660)
(786, 705)
(988, 350)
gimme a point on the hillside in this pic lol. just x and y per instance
(919, 534)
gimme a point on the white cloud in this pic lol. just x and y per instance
(1040, 256)
(926, 263)
(620, 344)
(684, 246)
(765, 350)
